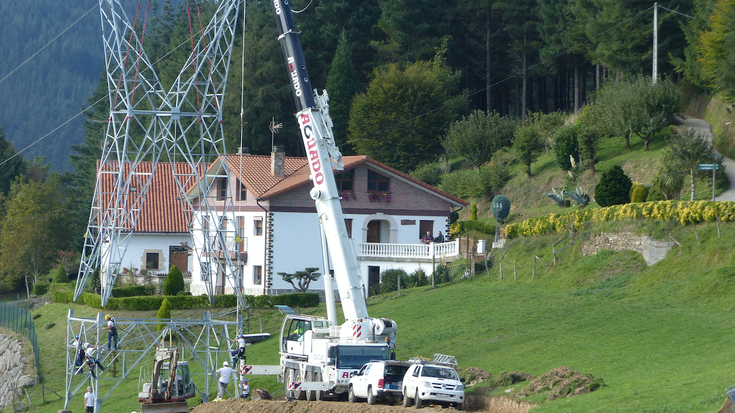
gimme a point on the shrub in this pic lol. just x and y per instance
(40, 289)
(654, 194)
(494, 176)
(429, 173)
(566, 145)
(174, 281)
(296, 299)
(95, 285)
(131, 291)
(163, 313)
(462, 227)
(463, 184)
(389, 280)
(640, 193)
(613, 188)
(473, 212)
(60, 276)
(417, 278)
(49, 325)
(225, 301)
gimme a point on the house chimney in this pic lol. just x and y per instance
(244, 150)
(278, 162)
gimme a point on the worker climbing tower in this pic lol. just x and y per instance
(179, 127)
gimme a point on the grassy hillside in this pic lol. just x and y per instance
(660, 336)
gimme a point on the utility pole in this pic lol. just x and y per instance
(654, 74)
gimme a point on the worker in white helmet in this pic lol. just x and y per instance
(224, 375)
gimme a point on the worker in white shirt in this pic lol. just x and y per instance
(240, 352)
(89, 401)
(224, 375)
(79, 353)
(91, 361)
(245, 389)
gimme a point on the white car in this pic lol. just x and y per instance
(432, 383)
(378, 380)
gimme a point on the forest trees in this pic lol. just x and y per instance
(31, 232)
(388, 122)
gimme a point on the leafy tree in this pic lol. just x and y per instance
(688, 149)
(653, 107)
(613, 188)
(547, 124)
(527, 145)
(478, 136)
(174, 281)
(12, 164)
(302, 278)
(164, 312)
(342, 86)
(590, 122)
(695, 28)
(95, 283)
(60, 275)
(715, 50)
(32, 232)
(565, 145)
(389, 123)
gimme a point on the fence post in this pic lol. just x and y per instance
(533, 276)
(399, 283)
(718, 227)
(515, 274)
(501, 270)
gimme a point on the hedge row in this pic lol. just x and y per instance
(187, 301)
(462, 227)
(683, 212)
(132, 291)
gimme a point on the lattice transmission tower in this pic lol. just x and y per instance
(149, 125)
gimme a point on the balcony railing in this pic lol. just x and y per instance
(409, 251)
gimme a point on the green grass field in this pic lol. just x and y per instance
(660, 337)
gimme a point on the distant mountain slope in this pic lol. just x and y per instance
(51, 86)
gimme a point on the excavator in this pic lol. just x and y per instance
(170, 384)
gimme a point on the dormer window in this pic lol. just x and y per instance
(345, 182)
(377, 182)
(242, 195)
(221, 189)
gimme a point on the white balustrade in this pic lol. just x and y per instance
(417, 251)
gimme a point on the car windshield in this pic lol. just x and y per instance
(354, 357)
(439, 372)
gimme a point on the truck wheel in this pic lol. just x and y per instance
(298, 394)
(310, 394)
(406, 399)
(351, 395)
(418, 400)
(319, 394)
(458, 406)
(370, 398)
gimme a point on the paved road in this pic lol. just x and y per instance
(704, 128)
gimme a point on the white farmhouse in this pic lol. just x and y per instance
(387, 214)
(386, 211)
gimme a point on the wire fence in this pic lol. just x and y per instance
(20, 321)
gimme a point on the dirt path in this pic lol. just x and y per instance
(704, 129)
(486, 405)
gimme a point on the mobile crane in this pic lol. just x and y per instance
(318, 357)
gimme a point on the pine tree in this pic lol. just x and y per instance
(164, 312)
(174, 281)
(60, 276)
(342, 87)
(613, 188)
(11, 168)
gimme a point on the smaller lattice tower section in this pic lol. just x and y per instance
(150, 127)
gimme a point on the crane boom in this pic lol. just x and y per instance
(321, 153)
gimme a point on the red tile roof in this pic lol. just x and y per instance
(254, 172)
(162, 211)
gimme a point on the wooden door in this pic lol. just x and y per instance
(373, 231)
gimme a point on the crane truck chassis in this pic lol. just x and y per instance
(318, 356)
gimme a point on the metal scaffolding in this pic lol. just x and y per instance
(204, 341)
(148, 124)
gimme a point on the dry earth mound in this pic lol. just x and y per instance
(562, 382)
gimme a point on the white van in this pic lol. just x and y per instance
(434, 383)
(378, 380)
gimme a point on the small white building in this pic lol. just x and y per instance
(386, 212)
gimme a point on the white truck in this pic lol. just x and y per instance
(318, 356)
(433, 381)
(378, 380)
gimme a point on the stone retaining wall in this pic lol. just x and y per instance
(12, 370)
(652, 250)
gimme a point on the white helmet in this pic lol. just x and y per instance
(226, 364)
